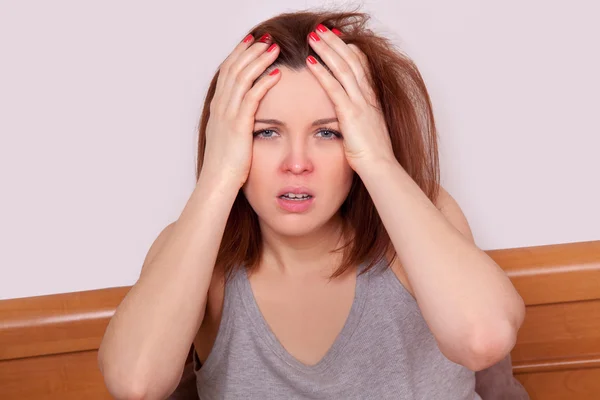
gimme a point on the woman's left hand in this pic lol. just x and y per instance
(361, 121)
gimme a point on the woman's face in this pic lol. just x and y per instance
(297, 154)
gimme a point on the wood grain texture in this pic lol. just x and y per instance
(580, 384)
(70, 376)
(559, 333)
(554, 273)
(48, 344)
(56, 324)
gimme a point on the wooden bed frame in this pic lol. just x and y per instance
(48, 344)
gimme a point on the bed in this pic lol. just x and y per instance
(48, 344)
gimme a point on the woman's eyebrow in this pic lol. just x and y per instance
(278, 122)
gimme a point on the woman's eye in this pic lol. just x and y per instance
(330, 134)
(266, 133)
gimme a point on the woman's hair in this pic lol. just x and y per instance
(406, 107)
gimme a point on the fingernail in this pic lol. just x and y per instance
(321, 28)
(336, 31)
(311, 60)
(248, 38)
(271, 48)
(275, 71)
(265, 38)
(314, 36)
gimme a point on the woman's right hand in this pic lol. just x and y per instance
(230, 125)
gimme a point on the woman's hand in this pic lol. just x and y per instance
(231, 122)
(366, 137)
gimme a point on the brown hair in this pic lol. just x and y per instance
(406, 107)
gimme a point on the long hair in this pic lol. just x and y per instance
(408, 113)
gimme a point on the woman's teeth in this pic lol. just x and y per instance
(292, 196)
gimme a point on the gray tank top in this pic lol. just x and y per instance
(384, 351)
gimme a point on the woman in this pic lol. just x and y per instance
(318, 257)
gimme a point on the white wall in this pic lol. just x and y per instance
(100, 103)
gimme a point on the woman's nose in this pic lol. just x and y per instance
(298, 159)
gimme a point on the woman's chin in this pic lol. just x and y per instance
(295, 228)
(294, 224)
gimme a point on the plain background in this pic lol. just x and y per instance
(100, 103)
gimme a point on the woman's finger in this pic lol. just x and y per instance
(243, 54)
(339, 59)
(252, 97)
(332, 86)
(244, 79)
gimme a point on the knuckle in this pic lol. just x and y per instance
(363, 79)
(358, 54)
(224, 68)
(240, 78)
(345, 68)
(364, 60)
(357, 51)
(355, 58)
(251, 96)
(220, 79)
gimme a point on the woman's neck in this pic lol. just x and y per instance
(307, 254)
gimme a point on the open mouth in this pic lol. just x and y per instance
(297, 197)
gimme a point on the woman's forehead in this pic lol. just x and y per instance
(297, 94)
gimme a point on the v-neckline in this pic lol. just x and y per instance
(265, 332)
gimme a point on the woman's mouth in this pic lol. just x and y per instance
(295, 202)
(295, 197)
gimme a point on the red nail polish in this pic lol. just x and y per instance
(314, 36)
(275, 71)
(312, 60)
(248, 38)
(271, 48)
(265, 38)
(321, 28)
(336, 31)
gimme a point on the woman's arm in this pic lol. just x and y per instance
(467, 300)
(144, 349)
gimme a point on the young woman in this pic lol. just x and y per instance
(318, 257)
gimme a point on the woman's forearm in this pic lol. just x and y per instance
(148, 339)
(467, 300)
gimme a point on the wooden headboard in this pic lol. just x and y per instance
(48, 344)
